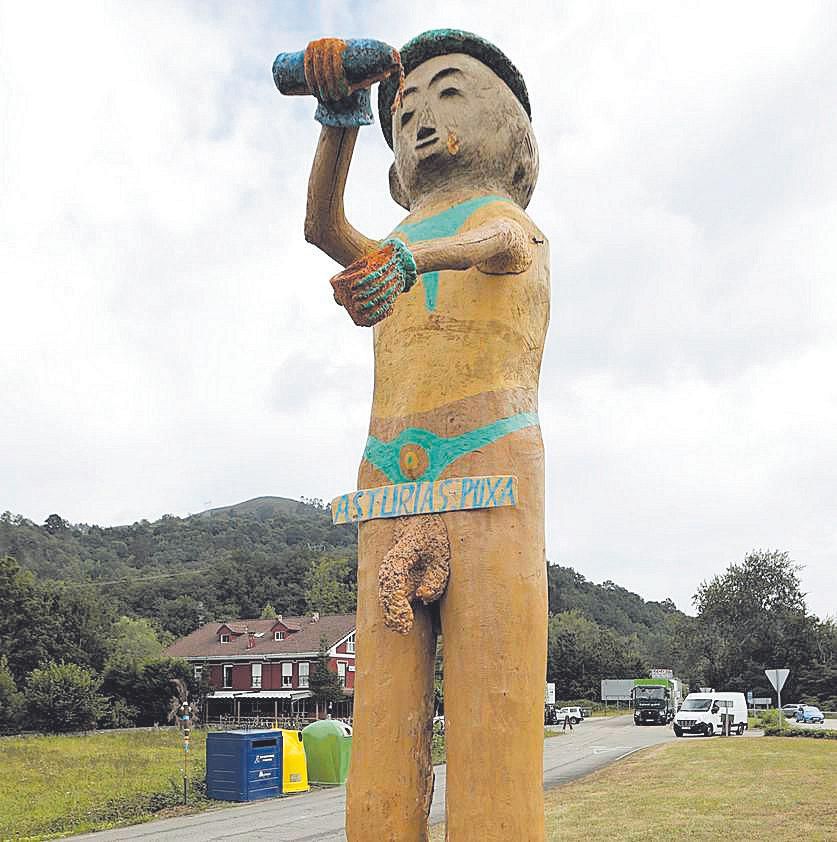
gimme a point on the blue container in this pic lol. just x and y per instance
(243, 765)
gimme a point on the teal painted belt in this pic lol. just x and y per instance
(419, 454)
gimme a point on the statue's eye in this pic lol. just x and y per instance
(450, 92)
(406, 117)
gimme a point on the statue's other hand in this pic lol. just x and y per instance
(368, 287)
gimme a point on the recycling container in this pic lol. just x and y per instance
(243, 765)
(328, 749)
(294, 766)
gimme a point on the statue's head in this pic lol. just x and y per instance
(462, 120)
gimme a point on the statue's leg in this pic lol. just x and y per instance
(390, 777)
(494, 623)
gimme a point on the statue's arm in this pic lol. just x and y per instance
(499, 247)
(326, 225)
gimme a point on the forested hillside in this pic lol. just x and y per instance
(65, 587)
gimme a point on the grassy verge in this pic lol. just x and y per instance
(597, 712)
(72, 784)
(755, 789)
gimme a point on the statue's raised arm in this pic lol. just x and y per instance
(339, 74)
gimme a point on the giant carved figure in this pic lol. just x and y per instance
(451, 484)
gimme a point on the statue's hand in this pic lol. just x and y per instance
(341, 104)
(368, 287)
(324, 69)
(417, 566)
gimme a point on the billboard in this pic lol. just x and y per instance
(617, 689)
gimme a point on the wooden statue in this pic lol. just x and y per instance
(450, 491)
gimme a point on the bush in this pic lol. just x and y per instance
(813, 733)
(10, 699)
(769, 719)
(120, 715)
(63, 697)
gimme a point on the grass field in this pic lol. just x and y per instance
(56, 785)
(755, 789)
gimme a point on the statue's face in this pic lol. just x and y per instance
(458, 122)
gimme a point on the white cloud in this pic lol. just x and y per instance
(171, 339)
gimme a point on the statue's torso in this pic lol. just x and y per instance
(457, 362)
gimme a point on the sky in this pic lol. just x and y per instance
(171, 342)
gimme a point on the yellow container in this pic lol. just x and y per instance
(294, 765)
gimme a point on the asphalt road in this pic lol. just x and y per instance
(318, 815)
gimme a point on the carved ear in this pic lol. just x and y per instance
(526, 172)
(396, 189)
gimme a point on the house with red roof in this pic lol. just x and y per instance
(263, 667)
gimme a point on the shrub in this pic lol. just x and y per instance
(813, 733)
(63, 697)
(769, 719)
(10, 699)
(120, 715)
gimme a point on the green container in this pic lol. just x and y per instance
(328, 749)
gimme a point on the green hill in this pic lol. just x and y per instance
(261, 507)
(233, 560)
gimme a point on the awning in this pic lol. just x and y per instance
(293, 695)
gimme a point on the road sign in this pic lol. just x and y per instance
(549, 694)
(750, 697)
(777, 678)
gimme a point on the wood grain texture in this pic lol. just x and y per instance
(326, 225)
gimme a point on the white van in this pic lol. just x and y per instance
(701, 713)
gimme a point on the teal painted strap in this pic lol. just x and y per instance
(444, 224)
(424, 497)
(441, 452)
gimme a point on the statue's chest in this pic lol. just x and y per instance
(446, 223)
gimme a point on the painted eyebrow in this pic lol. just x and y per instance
(447, 71)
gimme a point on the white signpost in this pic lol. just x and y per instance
(777, 678)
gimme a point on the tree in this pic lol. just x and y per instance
(54, 524)
(330, 586)
(23, 638)
(133, 640)
(63, 697)
(754, 616)
(10, 699)
(268, 612)
(324, 684)
(580, 653)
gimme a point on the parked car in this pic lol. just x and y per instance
(789, 711)
(575, 715)
(809, 713)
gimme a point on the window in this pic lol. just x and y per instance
(279, 635)
(341, 673)
(256, 675)
(350, 644)
(303, 674)
(287, 674)
(228, 671)
(197, 672)
(224, 638)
